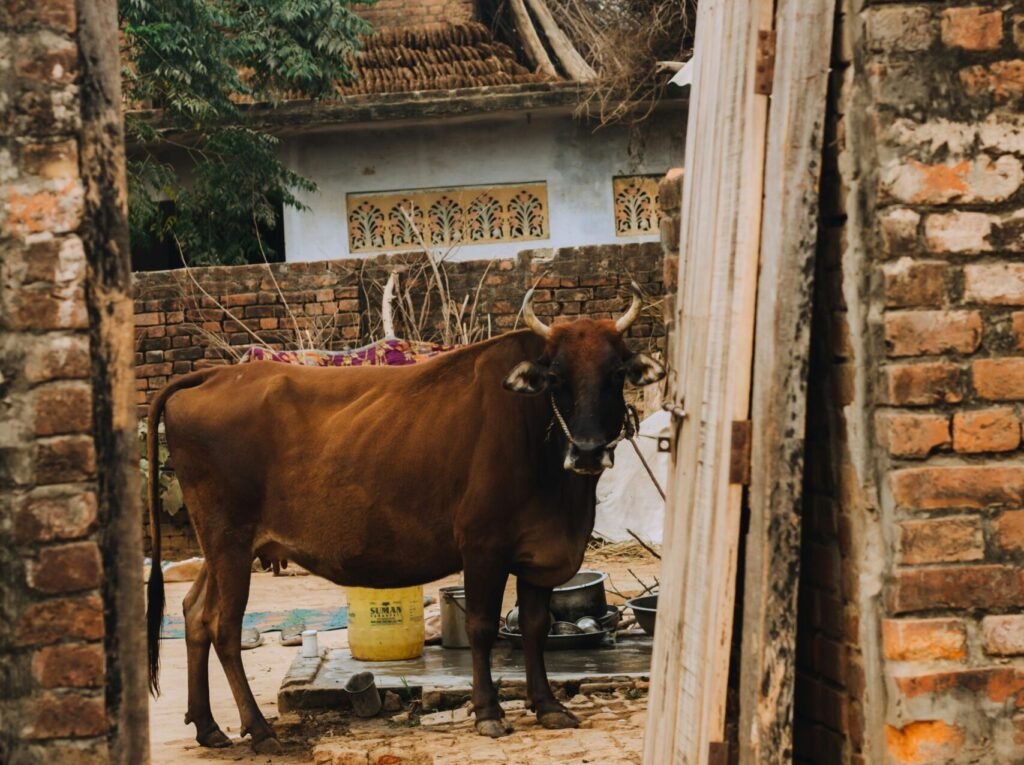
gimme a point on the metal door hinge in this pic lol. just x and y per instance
(718, 753)
(739, 452)
(765, 62)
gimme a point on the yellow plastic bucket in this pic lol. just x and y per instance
(385, 625)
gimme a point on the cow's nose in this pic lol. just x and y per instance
(589, 457)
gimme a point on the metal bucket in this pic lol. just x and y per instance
(453, 618)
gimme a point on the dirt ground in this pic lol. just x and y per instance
(612, 731)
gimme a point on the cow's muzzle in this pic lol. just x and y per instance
(588, 458)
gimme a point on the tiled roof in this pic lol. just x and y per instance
(435, 57)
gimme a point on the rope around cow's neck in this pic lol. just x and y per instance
(630, 426)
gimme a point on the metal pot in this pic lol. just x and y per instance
(583, 595)
(453, 618)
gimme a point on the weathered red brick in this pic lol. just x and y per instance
(941, 540)
(999, 379)
(37, 308)
(62, 409)
(924, 639)
(670, 189)
(920, 333)
(60, 357)
(1003, 635)
(898, 228)
(986, 430)
(1009, 531)
(915, 283)
(994, 283)
(994, 684)
(65, 459)
(958, 486)
(46, 515)
(923, 384)
(959, 232)
(52, 161)
(913, 435)
(71, 665)
(58, 15)
(978, 180)
(1002, 80)
(69, 715)
(972, 28)
(77, 618)
(1017, 320)
(924, 741)
(956, 587)
(900, 28)
(67, 568)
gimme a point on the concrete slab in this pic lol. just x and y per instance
(319, 683)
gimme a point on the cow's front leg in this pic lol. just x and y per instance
(534, 621)
(485, 584)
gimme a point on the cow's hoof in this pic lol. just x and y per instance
(557, 720)
(493, 728)
(214, 738)
(268, 745)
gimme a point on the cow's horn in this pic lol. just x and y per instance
(626, 320)
(531, 319)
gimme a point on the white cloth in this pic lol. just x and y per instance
(626, 497)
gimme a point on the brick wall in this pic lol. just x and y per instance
(912, 591)
(52, 663)
(395, 14)
(340, 301)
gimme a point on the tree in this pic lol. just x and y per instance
(198, 62)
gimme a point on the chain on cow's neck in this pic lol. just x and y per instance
(630, 424)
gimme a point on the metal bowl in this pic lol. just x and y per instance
(583, 595)
(565, 628)
(588, 624)
(611, 619)
(645, 609)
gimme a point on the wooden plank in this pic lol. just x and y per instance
(532, 45)
(712, 353)
(779, 397)
(574, 64)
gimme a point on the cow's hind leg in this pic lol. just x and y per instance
(534, 616)
(197, 642)
(227, 596)
(485, 585)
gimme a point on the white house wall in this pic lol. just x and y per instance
(575, 160)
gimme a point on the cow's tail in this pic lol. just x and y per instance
(155, 586)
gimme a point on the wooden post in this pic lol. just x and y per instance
(788, 240)
(104, 233)
(532, 45)
(712, 354)
(574, 64)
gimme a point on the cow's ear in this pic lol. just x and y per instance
(643, 370)
(527, 377)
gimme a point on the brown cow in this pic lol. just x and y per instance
(395, 476)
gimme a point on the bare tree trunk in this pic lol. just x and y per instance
(531, 41)
(574, 64)
(104, 234)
